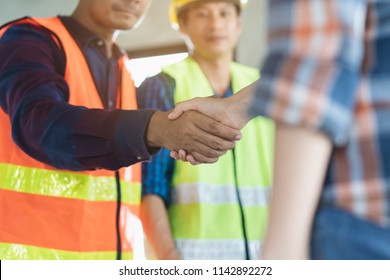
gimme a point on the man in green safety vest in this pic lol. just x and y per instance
(212, 211)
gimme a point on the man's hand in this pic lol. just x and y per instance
(196, 134)
(214, 107)
(222, 110)
(230, 111)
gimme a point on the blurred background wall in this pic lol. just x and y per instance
(155, 32)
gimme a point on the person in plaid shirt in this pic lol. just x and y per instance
(325, 82)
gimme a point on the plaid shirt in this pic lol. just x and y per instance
(328, 69)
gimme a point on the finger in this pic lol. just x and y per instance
(212, 145)
(222, 131)
(218, 129)
(182, 155)
(196, 158)
(176, 112)
(191, 160)
(205, 147)
(174, 155)
(182, 107)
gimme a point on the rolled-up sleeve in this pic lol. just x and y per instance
(311, 72)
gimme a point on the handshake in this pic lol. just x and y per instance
(201, 130)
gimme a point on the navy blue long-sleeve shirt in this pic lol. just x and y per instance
(35, 95)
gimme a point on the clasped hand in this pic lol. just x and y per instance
(224, 113)
(193, 133)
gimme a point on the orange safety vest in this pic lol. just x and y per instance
(46, 213)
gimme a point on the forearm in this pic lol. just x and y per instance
(157, 228)
(241, 101)
(77, 138)
(35, 95)
(301, 159)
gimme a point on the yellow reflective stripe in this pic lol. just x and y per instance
(217, 249)
(131, 192)
(203, 193)
(24, 252)
(216, 221)
(66, 184)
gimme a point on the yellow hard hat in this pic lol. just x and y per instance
(176, 6)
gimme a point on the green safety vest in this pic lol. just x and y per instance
(204, 212)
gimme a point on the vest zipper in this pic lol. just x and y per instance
(247, 257)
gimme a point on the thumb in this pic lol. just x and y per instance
(175, 113)
(182, 107)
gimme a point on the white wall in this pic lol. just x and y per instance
(155, 30)
(12, 9)
(252, 46)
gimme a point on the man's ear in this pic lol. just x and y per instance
(182, 27)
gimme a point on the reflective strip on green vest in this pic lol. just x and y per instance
(196, 249)
(25, 252)
(219, 194)
(204, 210)
(223, 221)
(65, 184)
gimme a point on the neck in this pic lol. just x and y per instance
(107, 35)
(217, 71)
